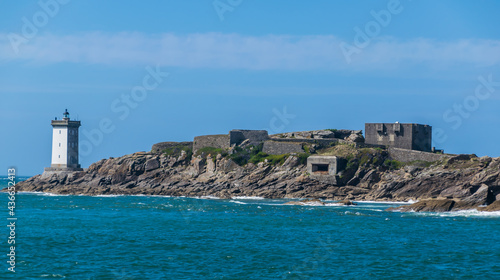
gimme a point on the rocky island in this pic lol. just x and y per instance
(251, 163)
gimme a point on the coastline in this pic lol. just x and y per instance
(460, 182)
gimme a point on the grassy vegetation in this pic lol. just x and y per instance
(176, 151)
(243, 155)
(393, 164)
(341, 150)
(277, 159)
(254, 154)
(352, 163)
(305, 147)
(211, 151)
(303, 157)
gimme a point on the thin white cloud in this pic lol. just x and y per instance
(233, 51)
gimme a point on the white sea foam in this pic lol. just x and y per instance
(108, 195)
(385, 202)
(315, 204)
(248, 197)
(24, 192)
(237, 202)
(461, 213)
(470, 213)
(53, 275)
(335, 204)
(147, 195)
(206, 197)
(44, 193)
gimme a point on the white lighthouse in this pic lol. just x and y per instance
(65, 145)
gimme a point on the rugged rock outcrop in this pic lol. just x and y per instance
(465, 182)
(350, 135)
(431, 205)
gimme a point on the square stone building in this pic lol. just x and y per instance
(322, 165)
(400, 135)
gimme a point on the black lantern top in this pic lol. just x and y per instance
(66, 114)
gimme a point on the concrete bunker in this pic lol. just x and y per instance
(322, 165)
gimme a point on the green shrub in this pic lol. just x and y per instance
(175, 151)
(306, 148)
(393, 164)
(212, 151)
(242, 155)
(260, 156)
(365, 159)
(277, 159)
(239, 159)
(352, 163)
(303, 157)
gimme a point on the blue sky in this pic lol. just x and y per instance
(141, 72)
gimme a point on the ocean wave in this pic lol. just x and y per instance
(148, 195)
(206, 197)
(469, 213)
(237, 202)
(315, 204)
(386, 202)
(461, 213)
(43, 193)
(248, 197)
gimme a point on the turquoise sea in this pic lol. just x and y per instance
(145, 237)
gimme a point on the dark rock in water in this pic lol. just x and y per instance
(432, 205)
(347, 202)
(495, 206)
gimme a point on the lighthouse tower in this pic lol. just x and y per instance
(65, 144)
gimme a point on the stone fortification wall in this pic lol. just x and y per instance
(236, 136)
(216, 141)
(272, 147)
(159, 147)
(322, 142)
(405, 155)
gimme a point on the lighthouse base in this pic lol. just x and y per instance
(66, 169)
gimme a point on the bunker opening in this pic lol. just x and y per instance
(320, 168)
